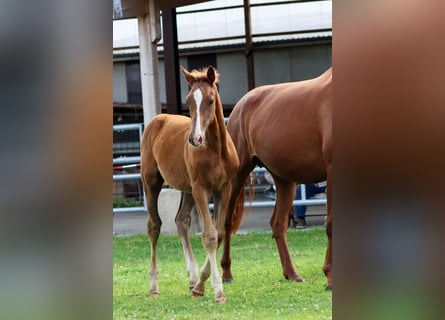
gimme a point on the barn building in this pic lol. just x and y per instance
(289, 41)
(250, 42)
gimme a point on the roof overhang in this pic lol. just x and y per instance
(170, 4)
(124, 9)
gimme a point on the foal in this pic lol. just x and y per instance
(196, 156)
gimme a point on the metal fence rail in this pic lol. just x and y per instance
(129, 160)
(137, 176)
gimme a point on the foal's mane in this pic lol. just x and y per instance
(201, 75)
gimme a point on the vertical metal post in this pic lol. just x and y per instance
(141, 131)
(303, 191)
(171, 61)
(149, 35)
(249, 46)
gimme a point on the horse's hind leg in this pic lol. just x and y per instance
(279, 222)
(327, 267)
(153, 185)
(183, 219)
(236, 191)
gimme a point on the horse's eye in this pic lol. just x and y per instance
(211, 101)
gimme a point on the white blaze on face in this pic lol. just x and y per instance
(197, 95)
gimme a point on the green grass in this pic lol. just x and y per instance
(259, 289)
(125, 203)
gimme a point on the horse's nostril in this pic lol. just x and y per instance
(195, 141)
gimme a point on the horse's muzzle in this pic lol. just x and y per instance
(195, 141)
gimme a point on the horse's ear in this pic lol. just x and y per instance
(188, 76)
(211, 75)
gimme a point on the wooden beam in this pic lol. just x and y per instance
(171, 62)
(249, 46)
(123, 9)
(170, 4)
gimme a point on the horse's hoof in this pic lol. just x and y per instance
(221, 300)
(227, 277)
(197, 292)
(328, 287)
(296, 278)
(155, 293)
(197, 295)
(192, 285)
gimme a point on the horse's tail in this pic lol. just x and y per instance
(239, 207)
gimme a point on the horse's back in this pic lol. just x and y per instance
(163, 124)
(167, 130)
(286, 100)
(162, 149)
(287, 127)
(308, 98)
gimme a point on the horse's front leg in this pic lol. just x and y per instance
(210, 243)
(182, 221)
(235, 209)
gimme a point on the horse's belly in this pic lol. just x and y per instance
(295, 155)
(171, 165)
(311, 175)
(175, 175)
(301, 172)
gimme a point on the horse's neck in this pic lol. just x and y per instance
(220, 126)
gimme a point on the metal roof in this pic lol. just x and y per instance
(235, 43)
(124, 9)
(208, 25)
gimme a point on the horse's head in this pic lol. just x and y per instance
(201, 101)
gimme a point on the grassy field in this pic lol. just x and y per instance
(259, 289)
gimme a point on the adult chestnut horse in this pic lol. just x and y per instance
(287, 129)
(196, 156)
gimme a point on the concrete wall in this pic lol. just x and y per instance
(168, 205)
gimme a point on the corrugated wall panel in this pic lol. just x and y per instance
(233, 83)
(119, 83)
